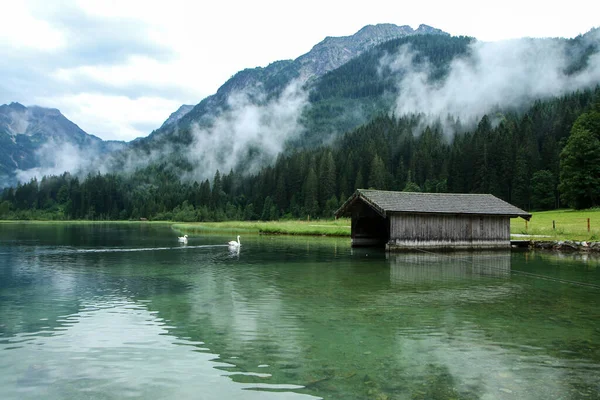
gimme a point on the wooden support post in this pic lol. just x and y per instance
(553, 225)
(525, 225)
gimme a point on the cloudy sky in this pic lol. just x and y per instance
(118, 69)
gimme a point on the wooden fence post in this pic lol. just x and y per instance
(588, 224)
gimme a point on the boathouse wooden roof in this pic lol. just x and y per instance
(385, 202)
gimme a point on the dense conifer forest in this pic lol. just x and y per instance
(543, 158)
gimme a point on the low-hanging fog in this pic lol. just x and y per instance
(495, 75)
(253, 128)
(57, 157)
(251, 132)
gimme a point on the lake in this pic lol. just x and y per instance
(114, 311)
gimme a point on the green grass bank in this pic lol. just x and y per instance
(339, 227)
(544, 225)
(560, 225)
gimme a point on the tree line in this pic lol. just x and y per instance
(544, 158)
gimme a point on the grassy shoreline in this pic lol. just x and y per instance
(339, 227)
(560, 225)
(544, 226)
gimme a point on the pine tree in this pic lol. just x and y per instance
(377, 175)
(359, 182)
(311, 187)
(520, 181)
(543, 188)
(580, 169)
(217, 194)
(327, 179)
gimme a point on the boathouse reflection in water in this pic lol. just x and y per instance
(420, 267)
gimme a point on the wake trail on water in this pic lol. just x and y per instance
(125, 250)
(71, 250)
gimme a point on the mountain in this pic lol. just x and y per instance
(421, 112)
(177, 115)
(345, 82)
(442, 81)
(333, 52)
(25, 132)
(261, 95)
(326, 56)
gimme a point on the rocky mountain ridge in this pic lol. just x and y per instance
(324, 57)
(24, 131)
(177, 115)
(333, 52)
(17, 119)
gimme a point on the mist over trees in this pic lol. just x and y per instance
(434, 113)
(251, 120)
(543, 158)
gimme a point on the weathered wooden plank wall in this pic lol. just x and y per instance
(437, 230)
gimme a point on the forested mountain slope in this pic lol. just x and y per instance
(262, 112)
(324, 57)
(431, 112)
(517, 160)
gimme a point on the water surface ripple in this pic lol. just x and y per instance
(123, 311)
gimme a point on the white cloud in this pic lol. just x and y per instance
(20, 29)
(140, 71)
(113, 117)
(69, 48)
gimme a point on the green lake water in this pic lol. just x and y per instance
(117, 311)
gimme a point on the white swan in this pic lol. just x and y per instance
(233, 243)
(182, 239)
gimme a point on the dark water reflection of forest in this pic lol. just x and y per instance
(116, 310)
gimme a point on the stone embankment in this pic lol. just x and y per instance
(565, 245)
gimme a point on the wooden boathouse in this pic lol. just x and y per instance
(408, 220)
